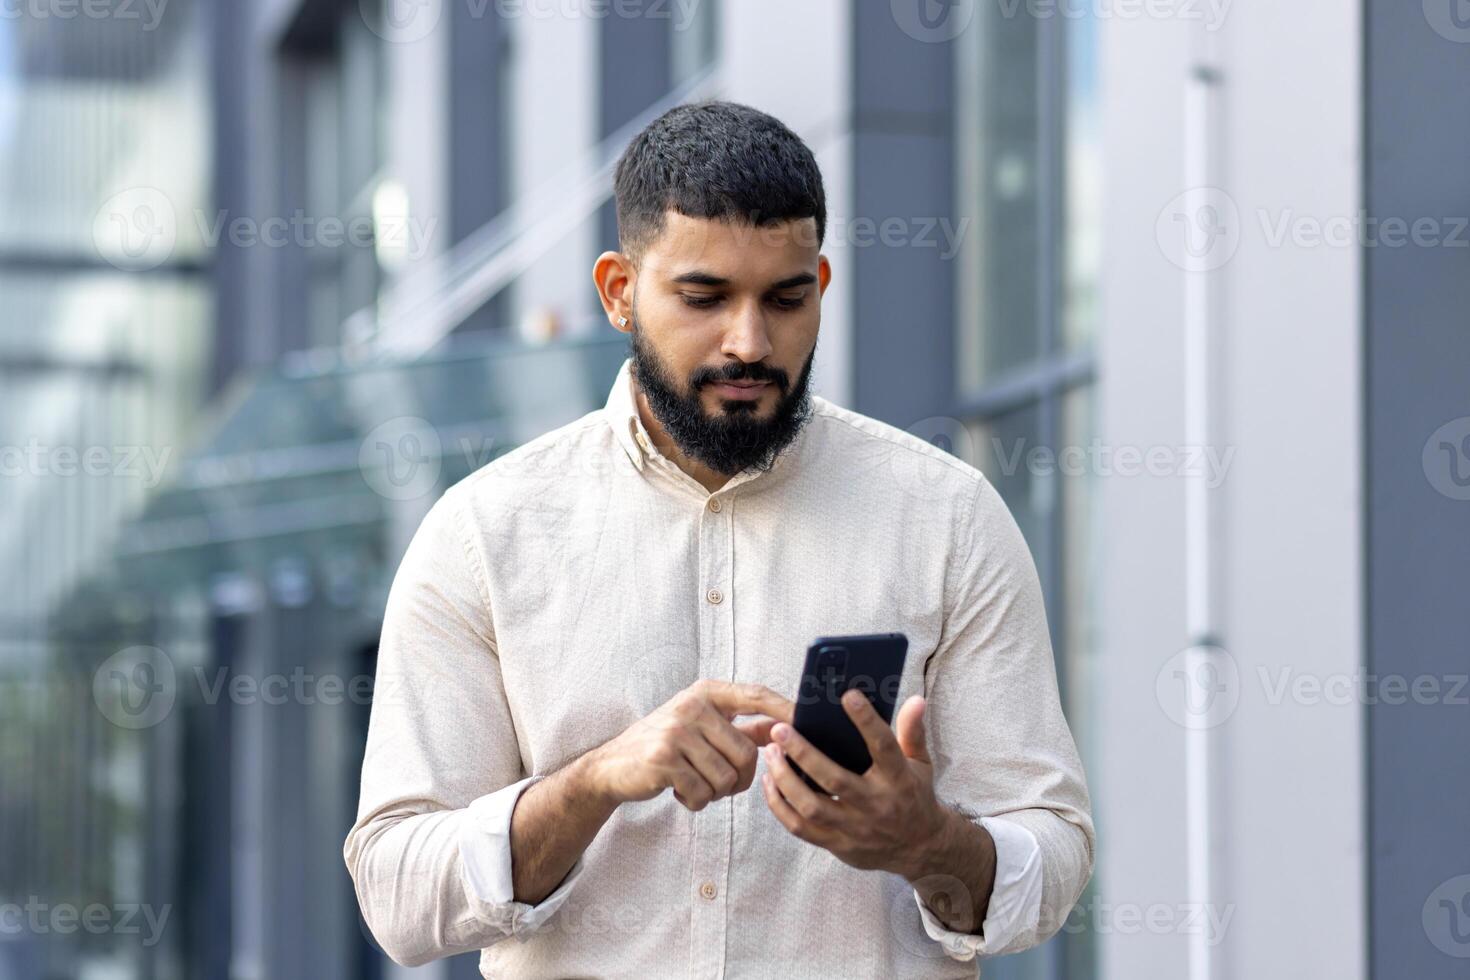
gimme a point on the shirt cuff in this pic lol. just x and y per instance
(484, 851)
(1015, 899)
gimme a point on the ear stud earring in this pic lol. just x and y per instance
(622, 321)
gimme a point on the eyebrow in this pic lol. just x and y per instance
(706, 279)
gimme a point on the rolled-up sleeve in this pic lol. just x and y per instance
(1015, 900)
(484, 846)
(441, 762)
(1000, 743)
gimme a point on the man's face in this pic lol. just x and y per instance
(725, 320)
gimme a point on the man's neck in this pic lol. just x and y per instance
(706, 477)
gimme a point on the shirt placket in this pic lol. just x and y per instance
(712, 825)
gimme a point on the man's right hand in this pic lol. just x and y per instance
(691, 743)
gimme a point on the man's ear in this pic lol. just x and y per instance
(615, 276)
(824, 275)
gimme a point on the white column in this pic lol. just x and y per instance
(554, 123)
(1283, 862)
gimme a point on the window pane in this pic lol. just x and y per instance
(104, 135)
(1078, 485)
(695, 39)
(342, 135)
(999, 130)
(1083, 209)
(1008, 451)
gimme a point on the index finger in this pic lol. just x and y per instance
(748, 699)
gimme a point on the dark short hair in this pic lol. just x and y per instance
(715, 160)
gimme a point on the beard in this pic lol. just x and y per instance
(735, 438)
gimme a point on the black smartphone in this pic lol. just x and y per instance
(873, 664)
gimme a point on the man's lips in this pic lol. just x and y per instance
(740, 390)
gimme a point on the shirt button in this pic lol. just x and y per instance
(714, 504)
(714, 595)
(708, 890)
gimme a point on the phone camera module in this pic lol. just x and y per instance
(831, 671)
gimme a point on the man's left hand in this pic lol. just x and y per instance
(888, 818)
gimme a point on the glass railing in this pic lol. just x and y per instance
(314, 456)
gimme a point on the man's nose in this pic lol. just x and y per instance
(746, 336)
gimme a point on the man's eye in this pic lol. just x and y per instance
(700, 302)
(790, 303)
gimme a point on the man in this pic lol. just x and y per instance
(621, 608)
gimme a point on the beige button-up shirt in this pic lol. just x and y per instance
(562, 592)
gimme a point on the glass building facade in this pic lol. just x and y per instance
(105, 334)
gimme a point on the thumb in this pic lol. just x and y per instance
(909, 727)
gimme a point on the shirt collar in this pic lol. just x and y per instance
(621, 412)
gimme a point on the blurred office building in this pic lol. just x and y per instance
(275, 273)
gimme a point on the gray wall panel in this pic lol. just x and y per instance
(1418, 533)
